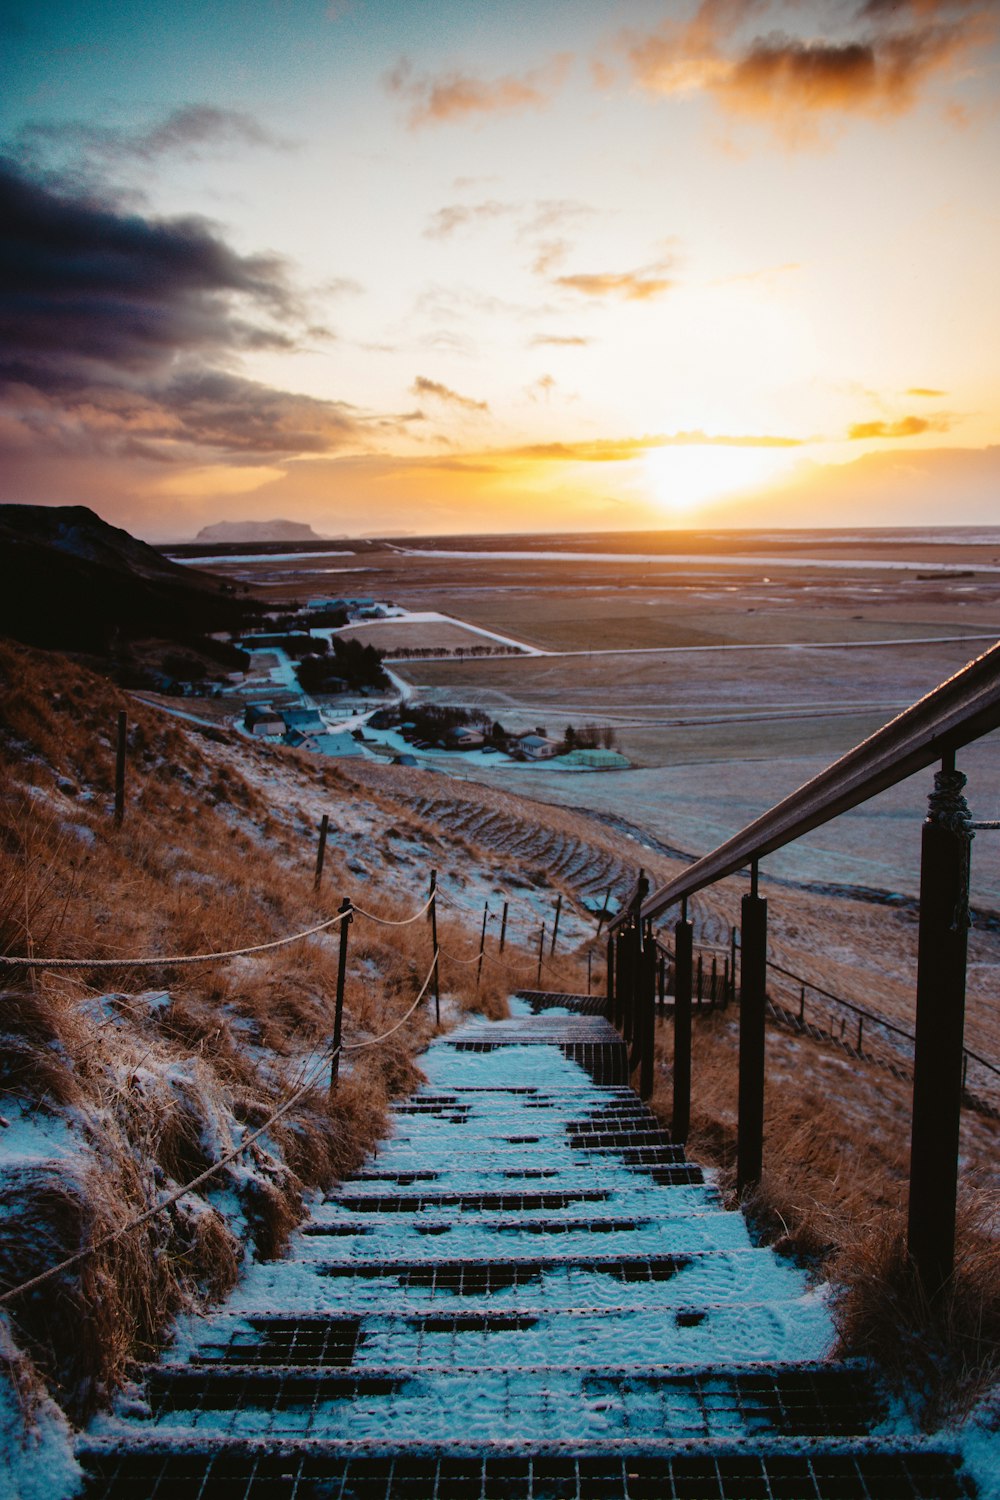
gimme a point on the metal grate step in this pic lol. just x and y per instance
(232, 1474)
(464, 1202)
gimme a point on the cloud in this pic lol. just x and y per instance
(903, 428)
(560, 341)
(119, 333)
(458, 95)
(924, 390)
(794, 81)
(424, 387)
(621, 450)
(549, 254)
(189, 132)
(453, 216)
(631, 286)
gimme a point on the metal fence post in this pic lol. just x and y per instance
(753, 997)
(683, 938)
(937, 1064)
(338, 1013)
(482, 944)
(120, 767)
(434, 947)
(324, 828)
(555, 923)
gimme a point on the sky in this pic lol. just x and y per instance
(437, 266)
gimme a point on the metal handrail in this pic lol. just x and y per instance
(963, 708)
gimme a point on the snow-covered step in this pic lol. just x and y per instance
(590, 1402)
(526, 1292)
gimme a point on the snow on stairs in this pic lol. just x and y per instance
(527, 1292)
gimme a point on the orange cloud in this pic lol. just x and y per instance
(924, 390)
(621, 450)
(904, 428)
(457, 95)
(424, 387)
(632, 286)
(792, 81)
(560, 341)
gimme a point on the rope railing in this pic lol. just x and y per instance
(173, 1197)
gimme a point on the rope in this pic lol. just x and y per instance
(204, 958)
(171, 1198)
(190, 958)
(386, 922)
(454, 958)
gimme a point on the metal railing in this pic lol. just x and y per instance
(959, 711)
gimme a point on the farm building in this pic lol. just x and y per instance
(305, 720)
(463, 738)
(262, 719)
(535, 747)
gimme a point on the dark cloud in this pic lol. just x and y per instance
(190, 132)
(117, 330)
(424, 387)
(458, 95)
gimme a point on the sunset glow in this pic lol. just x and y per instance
(456, 267)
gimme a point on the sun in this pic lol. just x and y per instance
(681, 478)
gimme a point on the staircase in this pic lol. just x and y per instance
(527, 1292)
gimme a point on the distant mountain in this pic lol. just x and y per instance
(71, 582)
(258, 531)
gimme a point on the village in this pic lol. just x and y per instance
(311, 684)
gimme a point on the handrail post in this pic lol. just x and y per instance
(609, 981)
(346, 919)
(590, 965)
(683, 939)
(434, 946)
(937, 1065)
(753, 999)
(646, 1020)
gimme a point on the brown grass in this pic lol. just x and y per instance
(833, 1196)
(152, 1070)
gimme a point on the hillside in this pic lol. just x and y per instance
(69, 581)
(121, 1084)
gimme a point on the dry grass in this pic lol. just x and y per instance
(940, 1353)
(833, 1195)
(152, 1073)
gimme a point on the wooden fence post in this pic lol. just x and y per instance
(434, 948)
(120, 767)
(555, 924)
(503, 927)
(338, 1014)
(324, 829)
(590, 964)
(937, 1062)
(602, 914)
(683, 938)
(753, 999)
(541, 951)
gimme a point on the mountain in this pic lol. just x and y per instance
(258, 531)
(70, 581)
